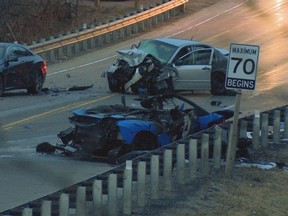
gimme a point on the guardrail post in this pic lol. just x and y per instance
(60, 54)
(167, 172)
(107, 38)
(69, 50)
(264, 129)
(90, 44)
(27, 212)
(141, 26)
(81, 201)
(147, 23)
(64, 205)
(46, 208)
(154, 21)
(276, 127)
(256, 130)
(112, 195)
(141, 183)
(51, 56)
(84, 45)
(180, 164)
(166, 16)
(127, 189)
(205, 154)
(172, 12)
(193, 157)
(286, 123)
(154, 168)
(128, 30)
(217, 147)
(97, 197)
(160, 17)
(243, 129)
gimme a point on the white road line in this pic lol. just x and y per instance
(81, 66)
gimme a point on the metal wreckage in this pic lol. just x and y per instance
(113, 132)
(136, 70)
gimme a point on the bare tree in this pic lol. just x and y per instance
(30, 20)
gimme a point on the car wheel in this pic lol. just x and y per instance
(38, 83)
(145, 141)
(1, 86)
(218, 84)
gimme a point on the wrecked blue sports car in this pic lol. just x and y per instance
(112, 131)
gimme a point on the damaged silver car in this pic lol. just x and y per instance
(169, 64)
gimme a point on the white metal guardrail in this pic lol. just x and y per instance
(60, 47)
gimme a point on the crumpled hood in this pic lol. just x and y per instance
(133, 57)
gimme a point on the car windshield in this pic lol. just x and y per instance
(1, 52)
(160, 50)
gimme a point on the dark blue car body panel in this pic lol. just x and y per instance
(112, 131)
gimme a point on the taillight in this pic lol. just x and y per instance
(44, 68)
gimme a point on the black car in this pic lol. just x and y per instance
(21, 68)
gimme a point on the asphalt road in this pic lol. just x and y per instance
(28, 120)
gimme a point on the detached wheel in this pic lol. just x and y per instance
(218, 84)
(1, 86)
(38, 84)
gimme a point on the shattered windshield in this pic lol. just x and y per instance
(162, 51)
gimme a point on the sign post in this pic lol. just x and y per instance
(242, 72)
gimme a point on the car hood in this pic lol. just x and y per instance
(133, 57)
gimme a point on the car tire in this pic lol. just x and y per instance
(38, 84)
(1, 86)
(113, 83)
(145, 141)
(218, 84)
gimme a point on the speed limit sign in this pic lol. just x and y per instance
(242, 66)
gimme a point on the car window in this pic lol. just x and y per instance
(197, 57)
(160, 50)
(183, 51)
(17, 52)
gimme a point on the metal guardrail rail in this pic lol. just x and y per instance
(58, 48)
(139, 179)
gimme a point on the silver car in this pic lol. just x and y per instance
(196, 65)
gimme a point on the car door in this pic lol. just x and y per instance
(19, 64)
(194, 70)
